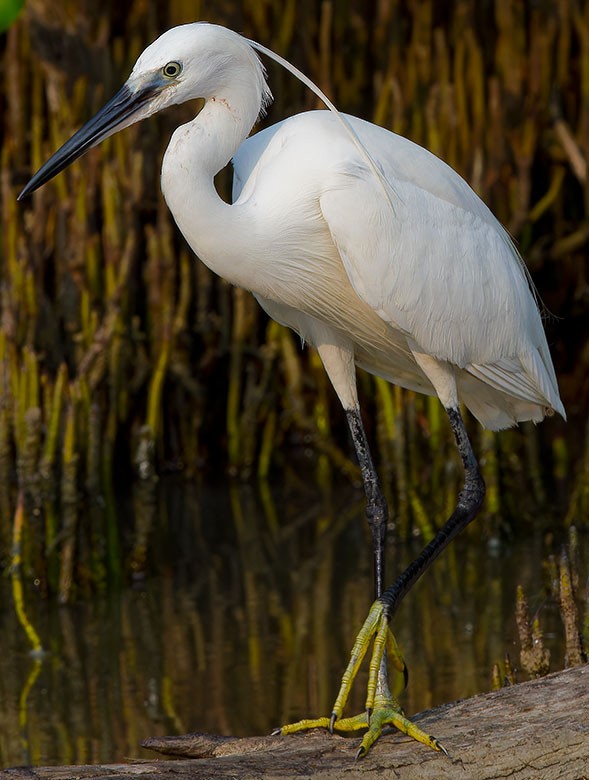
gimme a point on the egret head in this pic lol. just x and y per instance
(192, 61)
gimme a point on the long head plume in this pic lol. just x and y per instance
(385, 185)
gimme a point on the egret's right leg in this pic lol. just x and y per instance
(375, 628)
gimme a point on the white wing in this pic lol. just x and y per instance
(439, 266)
(433, 262)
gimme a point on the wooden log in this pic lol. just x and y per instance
(536, 730)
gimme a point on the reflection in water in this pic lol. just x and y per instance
(247, 624)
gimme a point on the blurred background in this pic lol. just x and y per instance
(181, 516)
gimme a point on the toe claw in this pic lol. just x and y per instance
(276, 732)
(382, 709)
(441, 748)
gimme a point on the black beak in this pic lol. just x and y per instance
(109, 119)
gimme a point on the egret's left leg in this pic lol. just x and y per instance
(382, 708)
(375, 628)
(376, 506)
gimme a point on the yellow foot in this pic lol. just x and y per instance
(384, 714)
(381, 707)
(390, 714)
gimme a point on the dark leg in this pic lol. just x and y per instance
(468, 506)
(376, 627)
(381, 708)
(376, 507)
(377, 516)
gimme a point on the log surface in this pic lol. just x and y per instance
(537, 730)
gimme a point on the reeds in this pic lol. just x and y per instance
(564, 588)
(120, 355)
(241, 635)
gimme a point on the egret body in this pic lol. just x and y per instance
(368, 246)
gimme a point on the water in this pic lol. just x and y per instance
(246, 622)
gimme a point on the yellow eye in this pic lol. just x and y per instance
(172, 70)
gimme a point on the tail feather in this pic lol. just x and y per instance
(503, 394)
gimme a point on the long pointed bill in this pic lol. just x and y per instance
(120, 111)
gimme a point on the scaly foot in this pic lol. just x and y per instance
(382, 709)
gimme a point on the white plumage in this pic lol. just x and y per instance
(312, 236)
(368, 246)
(439, 272)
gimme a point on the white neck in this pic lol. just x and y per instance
(197, 151)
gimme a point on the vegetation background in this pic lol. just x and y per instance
(153, 419)
(123, 358)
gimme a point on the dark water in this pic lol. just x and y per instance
(247, 622)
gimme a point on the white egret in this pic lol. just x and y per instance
(369, 247)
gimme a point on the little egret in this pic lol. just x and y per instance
(368, 246)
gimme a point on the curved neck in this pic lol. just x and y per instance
(216, 133)
(197, 151)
